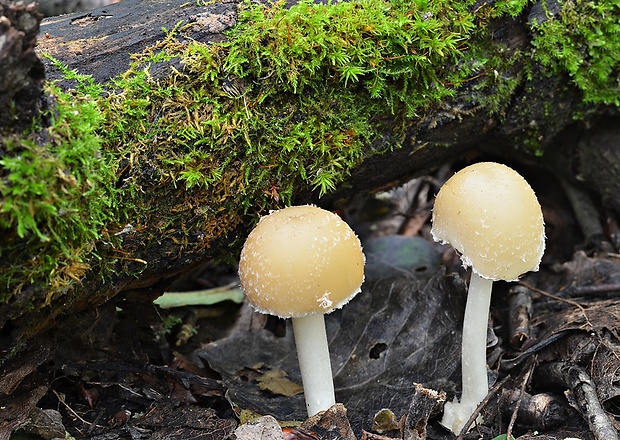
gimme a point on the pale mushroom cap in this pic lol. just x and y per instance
(491, 216)
(301, 260)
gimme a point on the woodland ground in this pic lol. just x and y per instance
(139, 371)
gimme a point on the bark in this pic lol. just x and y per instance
(100, 43)
(21, 71)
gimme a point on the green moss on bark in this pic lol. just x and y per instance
(194, 136)
(583, 40)
(56, 198)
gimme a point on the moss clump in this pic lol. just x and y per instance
(296, 96)
(584, 41)
(397, 52)
(56, 198)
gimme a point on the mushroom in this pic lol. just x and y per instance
(491, 216)
(302, 262)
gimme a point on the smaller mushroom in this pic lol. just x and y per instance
(302, 262)
(491, 216)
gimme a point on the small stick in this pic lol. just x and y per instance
(579, 382)
(480, 406)
(519, 313)
(507, 364)
(589, 290)
(513, 417)
(61, 399)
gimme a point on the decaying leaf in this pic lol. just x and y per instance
(45, 423)
(394, 334)
(424, 404)
(385, 420)
(167, 422)
(277, 382)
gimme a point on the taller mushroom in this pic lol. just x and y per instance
(301, 262)
(491, 216)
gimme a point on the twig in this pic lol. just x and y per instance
(513, 417)
(508, 364)
(520, 310)
(579, 382)
(61, 399)
(480, 406)
(557, 298)
(589, 290)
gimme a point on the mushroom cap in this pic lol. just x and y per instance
(491, 216)
(301, 260)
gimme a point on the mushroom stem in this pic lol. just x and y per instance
(473, 355)
(314, 363)
(474, 351)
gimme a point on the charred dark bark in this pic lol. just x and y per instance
(21, 71)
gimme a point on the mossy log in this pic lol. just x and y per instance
(139, 168)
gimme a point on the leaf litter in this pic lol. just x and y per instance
(395, 354)
(394, 334)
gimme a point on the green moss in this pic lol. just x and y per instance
(397, 52)
(194, 136)
(511, 8)
(583, 41)
(56, 198)
(295, 95)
